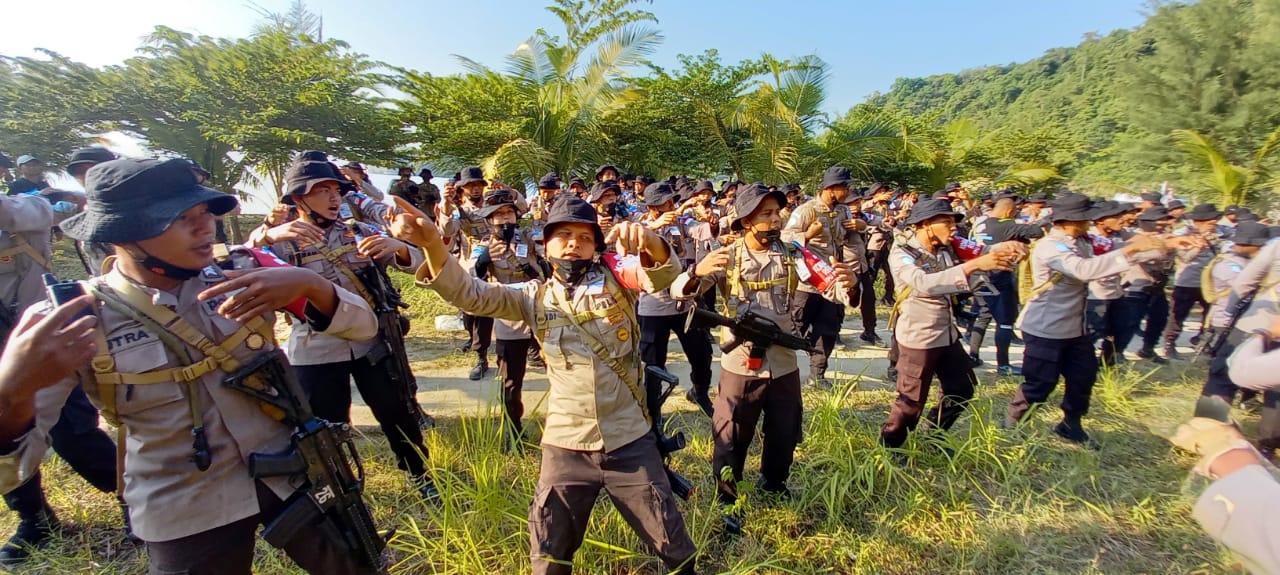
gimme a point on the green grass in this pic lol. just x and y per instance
(1015, 501)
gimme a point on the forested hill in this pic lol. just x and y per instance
(1113, 106)
(1071, 94)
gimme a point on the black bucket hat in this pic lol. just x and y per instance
(1251, 234)
(876, 188)
(551, 181)
(598, 190)
(1151, 197)
(1202, 212)
(1038, 198)
(5, 162)
(836, 176)
(1175, 204)
(1231, 210)
(303, 175)
(573, 210)
(133, 200)
(1072, 208)
(703, 186)
(1154, 214)
(89, 156)
(600, 171)
(748, 199)
(470, 175)
(577, 182)
(931, 208)
(496, 199)
(659, 193)
(1107, 209)
(425, 174)
(1246, 216)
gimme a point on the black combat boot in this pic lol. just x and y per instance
(481, 368)
(702, 399)
(37, 522)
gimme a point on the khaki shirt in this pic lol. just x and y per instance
(31, 217)
(507, 267)
(1108, 288)
(1239, 511)
(1190, 263)
(1058, 312)
(589, 408)
(1224, 274)
(773, 303)
(830, 243)
(1262, 276)
(926, 319)
(307, 346)
(661, 303)
(168, 497)
(1151, 272)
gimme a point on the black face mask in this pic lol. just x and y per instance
(507, 232)
(570, 271)
(316, 218)
(166, 269)
(767, 237)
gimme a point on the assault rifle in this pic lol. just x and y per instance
(1218, 337)
(751, 327)
(668, 444)
(392, 325)
(322, 461)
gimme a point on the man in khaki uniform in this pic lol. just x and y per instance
(25, 255)
(1190, 266)
(929, 275)
(598, 433)
(660, 315)
(1053, 317)
(196, 506)
(821, 225)
(475, 236)
(760, 272)
(338, 250)
(509, 259)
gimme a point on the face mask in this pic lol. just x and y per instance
(570, 271)
(316, 218)
(767, 237)
(166, 269)
(507, 232)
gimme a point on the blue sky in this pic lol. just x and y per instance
(867, 44)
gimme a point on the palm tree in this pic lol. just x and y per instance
(571, 87)
(1213, 170)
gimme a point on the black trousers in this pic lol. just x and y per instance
(878, 260)
(328, 388)
(867, 301)
(568, 486)
(1183, 300)
(1044, 360)
(480, 332)
(1157, 318)
(1001, 308)
(739, 405)
(1132, 309)
(228, 550)
(513, 357)
(77, 439)
(818, 320)
(916, 368)
(655, 336)
(1102, 320)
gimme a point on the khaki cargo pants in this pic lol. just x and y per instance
(632, 475)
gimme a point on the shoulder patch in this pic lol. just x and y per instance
(1064, 248)
(794, 222)
(1237, 268)
(906, 259)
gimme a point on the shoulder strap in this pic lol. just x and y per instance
(1206, 281)
(335, 258)
(622, 299)
(23, 247)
